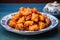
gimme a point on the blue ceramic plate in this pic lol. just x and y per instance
(4, 23)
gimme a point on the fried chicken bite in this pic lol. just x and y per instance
(21, 20)
(33, 27)
(34, 17)
(15, 17)
(41, 25)
(12, 23)
(21, 9)
(19, 26)
(28, 17)
(26, 11)
(40, 13)
(41, 18)
(34, 10)
(29, 10)
(47, 21)
(28, 23)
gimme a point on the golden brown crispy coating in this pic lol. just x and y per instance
(34, 10)
(41, 17)
(47, 20)
(34, 17)
(29, 9)
(21, 9)
(15, 17)
(21, 20)
(19, 26)
(33, 27)
(40, 13)
(29, 19)
(26, 11)
(41, 25)
(12, 23)
(28, 23)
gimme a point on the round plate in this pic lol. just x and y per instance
(4, 23)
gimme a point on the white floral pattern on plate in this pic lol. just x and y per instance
(4, 23)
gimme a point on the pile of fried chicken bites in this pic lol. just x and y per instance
(29, 19)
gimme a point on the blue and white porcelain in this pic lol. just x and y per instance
(5, 19)
(52, 8)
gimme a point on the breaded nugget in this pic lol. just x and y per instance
(40, 13)
(21, 20)
(41, 25)
(21, 9)
(34, 17)
(33, 28)
(34, 10)
(15, 17)
(19, 14)
(25, 12)
(47, 20)
(19, 26)
(12, 23)
(28, 23)
(28, 17)
(41, 18)
(28, 9)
